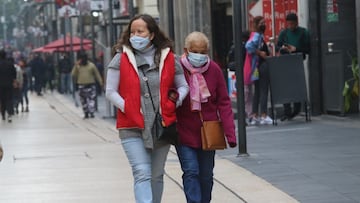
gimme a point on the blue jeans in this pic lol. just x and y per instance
(148, 169)
(65, 82)
(197, 166)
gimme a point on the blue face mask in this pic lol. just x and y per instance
(139, 43)
(197, 60)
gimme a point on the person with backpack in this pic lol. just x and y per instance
(293, 39)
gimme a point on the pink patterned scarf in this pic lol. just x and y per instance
(199, 91)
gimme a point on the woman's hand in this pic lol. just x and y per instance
(232, 144)
(78, 62)
(261, 54)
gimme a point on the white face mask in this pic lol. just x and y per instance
(197, 60)
(139, 43)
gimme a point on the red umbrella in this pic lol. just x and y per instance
(43, 49)
(74, 48)
(61, 49)
(61, 42)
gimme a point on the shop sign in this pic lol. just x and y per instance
(332, 11)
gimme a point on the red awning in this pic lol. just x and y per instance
(67, 42)
(75, 48)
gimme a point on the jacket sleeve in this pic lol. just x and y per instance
(97, 75)
(180, 82)
(75, 71)
(281, 40)
(112, 84)
(253, 43)
(305, 42)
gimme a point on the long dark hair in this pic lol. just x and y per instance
(84, 58)
(160, 40)
(256, 23)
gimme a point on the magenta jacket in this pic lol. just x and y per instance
(189, 123)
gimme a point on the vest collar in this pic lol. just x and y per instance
(164, 54)
(132, 59)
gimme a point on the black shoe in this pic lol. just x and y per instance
(86, 116)
(92, 115)
(293, 115)
(284, 117)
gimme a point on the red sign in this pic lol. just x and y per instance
(281, 9)
(267, 14)
(61, 3)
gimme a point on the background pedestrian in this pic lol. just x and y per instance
(256, 53)
(85, 75)
(7, 80)
(65, 74)
(26, 71)
(38, 68)
(293, 39)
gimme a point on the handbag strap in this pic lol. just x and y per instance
(201, 117)
(148, 87)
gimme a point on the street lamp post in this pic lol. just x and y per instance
(3, 21)
(94, 14)
(237, 25)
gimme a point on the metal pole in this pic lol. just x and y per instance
(272, 38)
(94, 52)
(72, 62)
(237, 25)
(66, 27)
(110, 108)
(81, 28)
(111, 24)
(171, 19)
(3, 19)
(131, 8)
(93, 37)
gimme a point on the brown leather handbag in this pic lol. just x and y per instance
(212, 135)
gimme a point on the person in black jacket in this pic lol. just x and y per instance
(231, 54)
(38, 68)
(7, 79)
(65, 74)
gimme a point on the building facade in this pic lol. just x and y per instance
(329, 22)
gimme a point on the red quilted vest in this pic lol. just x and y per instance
(129, 90)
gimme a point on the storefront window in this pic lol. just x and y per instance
(271, 10)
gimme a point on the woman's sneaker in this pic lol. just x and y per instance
(266, 120)
(253, 120)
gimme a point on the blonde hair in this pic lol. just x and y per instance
(196, 36)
